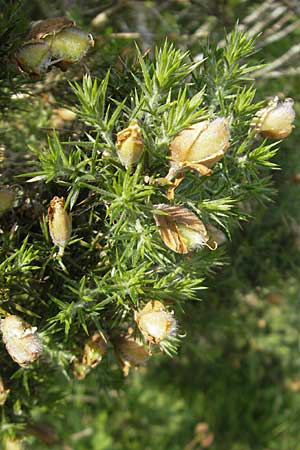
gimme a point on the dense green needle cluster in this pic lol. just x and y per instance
(115, 261)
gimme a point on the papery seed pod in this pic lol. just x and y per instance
(276, 120)
(34, 57)
(130, 352)
(200, 146)
(60, 223)
(155, 322)
(93, 353)
(21, 340)
(181, 230)
(130, 144)
(7, 198)
(3, 392)
(69, 45)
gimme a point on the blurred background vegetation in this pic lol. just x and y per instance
(235, 384)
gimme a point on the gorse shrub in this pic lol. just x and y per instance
(113, 228)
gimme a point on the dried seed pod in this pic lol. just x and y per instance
(130, 352)
(69, 45)
(276, 120)
(60, 223)
(34, 57)
(155, 322)
(200, 146)
(7, 198)
(181, 230)
(93, 353)
(3, 392)
(21, 340)
(130, 144)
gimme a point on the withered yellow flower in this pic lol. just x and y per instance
(130, 144)
(276, 120)
(181, 230)
(130, 352)
(93, 353)
(155, 322)
(60, 223)
(7, 198)
(21, 340)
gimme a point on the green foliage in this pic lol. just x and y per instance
(116, 261)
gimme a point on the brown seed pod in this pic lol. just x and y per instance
(276, 120)
(21, 340)
(93, 353)
(130, 144)
(130, 352)
(181, 230)
(155, 322)
(60, 223)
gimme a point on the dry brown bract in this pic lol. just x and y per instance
(181, 230)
